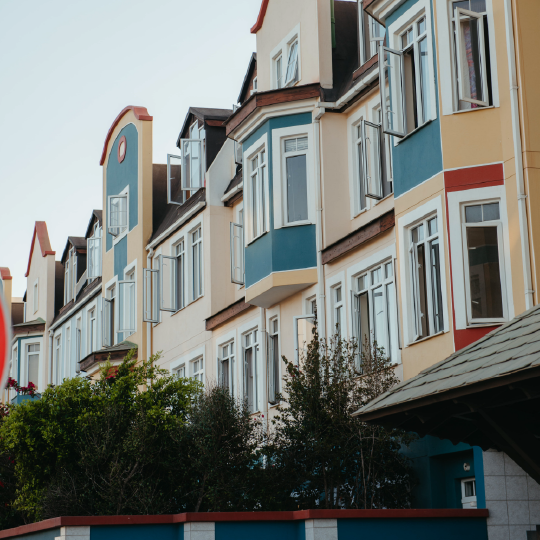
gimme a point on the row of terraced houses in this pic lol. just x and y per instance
(377, 176)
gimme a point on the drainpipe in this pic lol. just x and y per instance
(149, 324)
(518, 156)
(321, 300)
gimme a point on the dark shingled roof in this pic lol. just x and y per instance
(96, 215)
(203, 114)
(78, 242)
(174, 212)
(235, 181)
(86, 292)
(252, 66)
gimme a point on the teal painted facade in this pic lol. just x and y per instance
(121, 175)
(120, 257)
(419, 156)
(137, 532)
(288, 248)
(438, 466)
(261, 530)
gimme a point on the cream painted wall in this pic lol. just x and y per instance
(281, 17)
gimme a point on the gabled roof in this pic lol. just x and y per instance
(262, 12)
(204, 114)
(140, 113)
(40, 230)
(97, 215)
(252, 66)
(78, 242)
(514, 348)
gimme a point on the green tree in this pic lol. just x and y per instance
(323, 455)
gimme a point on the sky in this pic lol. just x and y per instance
(68, 67)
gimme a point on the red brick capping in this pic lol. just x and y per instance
(140, 114)
(190, 517)
(40, 230)
(5, 273)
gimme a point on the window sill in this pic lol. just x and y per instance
(297, 224)
(399, 141)
(474, 110)
(273, 405)
(363, 211)
(186, 306)
(426, 338)
(117, 239)
(257, 237)
(379, 201)
(485, 324)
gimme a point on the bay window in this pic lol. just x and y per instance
(483, 257)
(374, 308)
(425, 274)
(250, 369)
(226, 367)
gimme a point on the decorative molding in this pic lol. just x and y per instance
(120, 156)
(228, 313)
(360, 236)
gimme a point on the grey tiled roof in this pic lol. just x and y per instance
(513, 347)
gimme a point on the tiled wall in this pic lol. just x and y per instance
(512, 498)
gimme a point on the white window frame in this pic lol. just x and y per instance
(186, 360)
(116, 238)
(365, 55)
(366, 265)
(91, 347)
(196, 292)
(471, 501)
(129, 270)
(35, 296)
(93, 254)
(196, 137)
(338, 307)
(255, 345)
(197, 369)
(73, 255)
(331, 283)
(254, 87)
(406, 223)
(78, 340)
(456, 201)
(24, 371)
(237, 253)
(180, 371)
(57, 359)
(67, 280)
(231, 358)
(283, 50)
(395, 30)
(273, 336)
(280, 177)
(170, 178)
(256, 148)
(67, 349)
(167, 283)
(151, 297)
(174, 252)
(446, 58)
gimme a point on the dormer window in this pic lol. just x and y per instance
(369, 32)
(254, 87)
(70, 276)
(292, 64)
(286, 61)
(93, 251)
(193, 158)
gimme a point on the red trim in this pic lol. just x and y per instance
(262, 12)
(40, 230)
(466, 336)
(140, 114)
(473, 177)
(5, 273)
(122, 140)
(190, 517)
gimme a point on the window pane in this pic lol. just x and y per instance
(290, 145)
(302, 143)
(297, 189)
(424, 78)
(376, 276)
(379, 317)
(338, 294)
(393, 120)
(362, 321)
(388, 270)
(484, 272)
(362, 282)
(436, 292)
(479, 6)
(473, 214)
(421, 26)
(432, 226)
(422, 293)
(391, 311)
(33, 368)
(491, 211)
(225, 373)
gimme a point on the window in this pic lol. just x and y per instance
(32, 362)
(254, 87)
(193, 159)
(369, 163)
(424, 257)
(295, 163)
(374, 309)
(291, 75)
(304, 326)
(278, 70)
(57, 361)
(196, 262)
(35, 295)
(67, 353)
(472, 68)
(93, 250)
(257, 194)
(237, 253)
(67, 281)
(468, 493)
(226, 367)
(197, 369)
(180, 275)
(337, 300)
(180, 372)
(175, 193)
(78, 340)
(369, 30)
(92, 331)
(150, 293)
(167, 281)
(273, 362)
(117, 214)
(406, 81)
(483, 256)
(73, 254)
(250, 372)
(127, 300)
(108, 317)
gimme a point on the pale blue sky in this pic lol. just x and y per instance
(68, 67)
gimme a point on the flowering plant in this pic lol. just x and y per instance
(29, 390)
